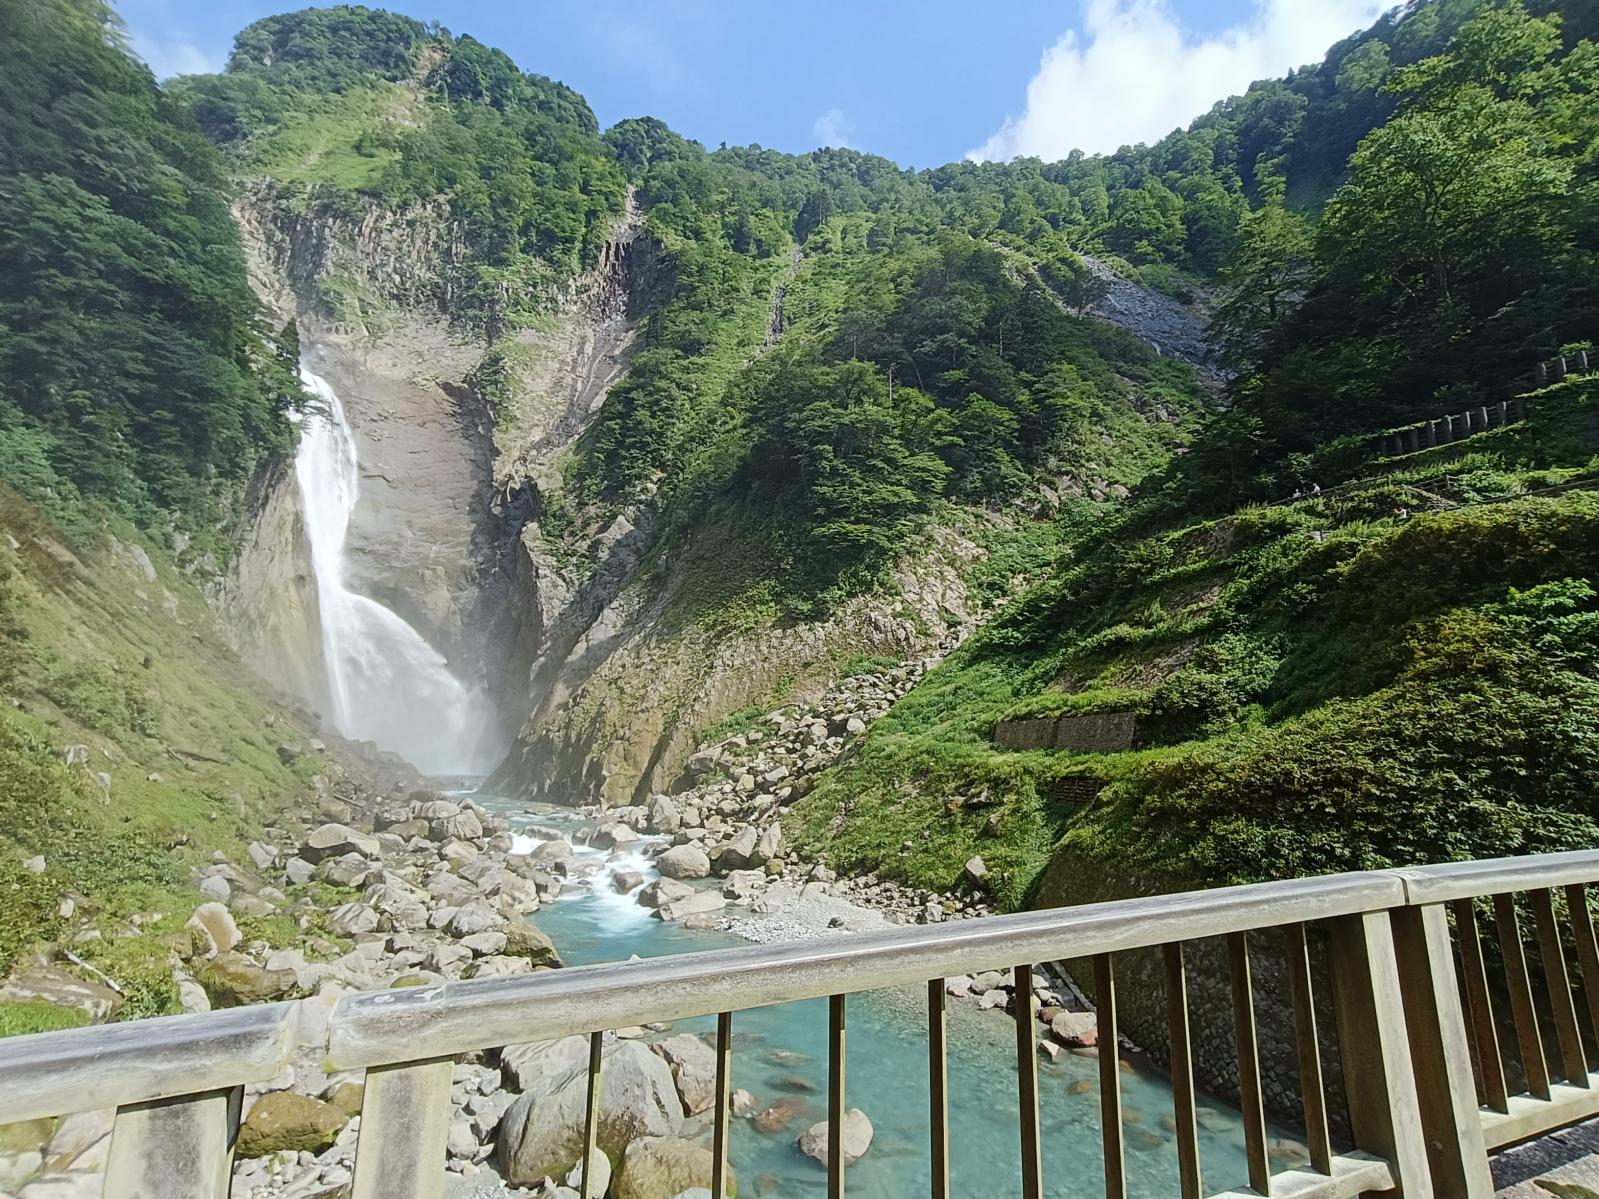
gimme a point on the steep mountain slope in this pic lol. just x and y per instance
(631, 322)
(1354, 626)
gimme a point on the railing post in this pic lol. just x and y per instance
(174, 1148)
(405, 1125)
(1379, 1083)
(1440, 1053)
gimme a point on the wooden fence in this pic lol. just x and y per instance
(1428, 1080)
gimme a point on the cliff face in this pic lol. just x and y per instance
(365, 290)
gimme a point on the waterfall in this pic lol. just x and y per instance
(386, 683)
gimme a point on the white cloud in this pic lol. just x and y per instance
(834, 129)
(175, 54)
(1135, 74)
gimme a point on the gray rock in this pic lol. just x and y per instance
(299, 871)
(693, 1065)
(684, 861)
(474, 917)
(335, 840)
(352, 919)
(664, 890)
(664, 816)
(542, 1134)
(813, 1142)
(691, 905)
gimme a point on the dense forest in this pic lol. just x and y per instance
(134, 374)
(835, 354)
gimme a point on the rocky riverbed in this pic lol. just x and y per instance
(395, 890)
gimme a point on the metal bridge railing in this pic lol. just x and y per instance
(1411, 1061)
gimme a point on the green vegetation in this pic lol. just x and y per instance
(1336, 661)
(350, 106)
(122, 671)
(133, 376)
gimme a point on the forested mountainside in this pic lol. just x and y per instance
(755, 415)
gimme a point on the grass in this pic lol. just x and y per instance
(1329, 686)
(329, 139)
(97, 656)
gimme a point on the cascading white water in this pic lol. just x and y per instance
(387, 684)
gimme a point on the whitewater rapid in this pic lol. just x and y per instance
(385, 682)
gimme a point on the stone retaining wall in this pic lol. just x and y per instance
(1096, 732)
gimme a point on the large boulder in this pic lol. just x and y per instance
(1075, 1029)
(683, 861)
(542, 1135)
(664, 1167)
(693, 1065)
(738, 853)
(664, 816)
(216, 927)
(285, 1122)
(52, 985)
(233, 980)
(664, 890)
(770, 843)
(539, 1067)
(336, 840)
(813, 1142)
(464, 826)
(691, 905)
(526, 941)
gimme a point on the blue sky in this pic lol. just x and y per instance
(920, 81)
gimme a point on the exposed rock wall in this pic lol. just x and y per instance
(621, 712)
(269, 599)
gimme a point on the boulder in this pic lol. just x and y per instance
(286, 1122)
(472, 918)
(233, 980)
(739, 852)
(813, 1142)
(691, 905)
(464, 826)
(540, 1067)
(664, 816)
(497, 966)
(1075, 1029)
(693, 1065)
(50, 984)
(528, 941)
(976, 872)
(298, 871)
(216, 927)
(216, 887)
(770, 843)
(541, 1135)
(743, 884)
(683, 861)
(666, 1167)
(336, 840)
(664, 890)
(352, 919)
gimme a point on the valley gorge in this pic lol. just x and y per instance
(446, 539)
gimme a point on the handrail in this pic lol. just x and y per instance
(177, 1054)
(1494, 876)
(380, 1028)
(1393, 975)
(77, 1069)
